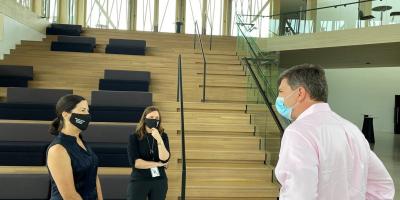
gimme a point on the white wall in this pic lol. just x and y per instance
(355, 91)
(13, 33)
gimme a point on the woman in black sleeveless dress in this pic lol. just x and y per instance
(71, 163)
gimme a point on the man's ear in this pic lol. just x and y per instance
(302, 94)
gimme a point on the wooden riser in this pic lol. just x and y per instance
(199, 106)
(45, 50)
(217, 143)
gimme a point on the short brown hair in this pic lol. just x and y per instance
(141, 127)
(311, 77)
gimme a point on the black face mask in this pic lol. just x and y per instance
(152, 123)
(81, 121)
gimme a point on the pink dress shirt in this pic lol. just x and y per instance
(326, 157)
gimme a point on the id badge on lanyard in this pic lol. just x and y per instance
(154, 172)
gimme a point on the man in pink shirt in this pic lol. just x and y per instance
(323, 156)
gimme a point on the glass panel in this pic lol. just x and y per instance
(261, 118)
(340, 18)
(327, 15)
(265, 66)
(383, 16)
(166, 17)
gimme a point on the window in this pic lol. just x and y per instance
(107, 14)
(193, 14)
(239, 7)
(53, 11)
(25, 3)
(72, 11)
(145, 15)
(258, 26)
(166, 16)
(214, 16)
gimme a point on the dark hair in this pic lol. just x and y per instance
(311, 77)
(65, 104)
(141, 127)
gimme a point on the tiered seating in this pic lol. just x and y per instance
(124, 80)
(109, 142)
(106, 106)
(23, 144)
(64, 29)
(129, 47)
(15, 185)
(119, 106)
(31, 103)
(15, 75)
(74, 44)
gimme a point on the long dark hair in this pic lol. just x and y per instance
(141, 127)
(65, 104)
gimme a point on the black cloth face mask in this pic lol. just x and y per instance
(81, 121)
(152, 123)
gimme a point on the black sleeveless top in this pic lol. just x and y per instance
(147, 150)
(84, 167)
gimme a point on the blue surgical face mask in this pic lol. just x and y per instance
(282, 109)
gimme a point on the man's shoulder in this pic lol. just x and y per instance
(319, 120)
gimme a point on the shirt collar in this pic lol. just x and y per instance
(318, 107)
(66, 137)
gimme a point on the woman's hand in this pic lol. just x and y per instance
(156, 135)
(160, 164)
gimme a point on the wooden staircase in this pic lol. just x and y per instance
(224, 155)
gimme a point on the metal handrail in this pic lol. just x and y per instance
(197, 32)
(180, 99)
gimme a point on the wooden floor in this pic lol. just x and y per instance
(223, 150)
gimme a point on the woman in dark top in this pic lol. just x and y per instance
(71, 163)
(148, 152)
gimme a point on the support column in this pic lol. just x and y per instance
(63, 14)
(37, 7)
(204, 18)
(181, 13)
(280, 20)
(81, 12)
(156, 14)
(312, 15)
(132, 14)
(366, 8)
(227, 18)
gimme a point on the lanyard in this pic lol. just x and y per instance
(151, 148)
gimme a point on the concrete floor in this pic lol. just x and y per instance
(387, 147)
